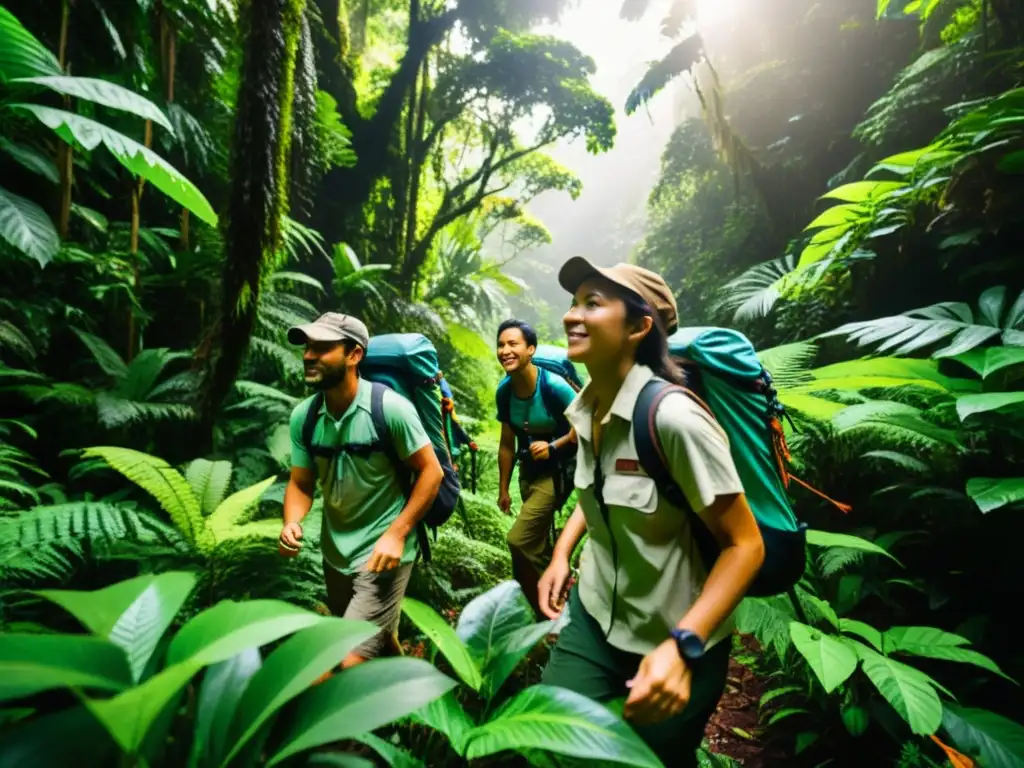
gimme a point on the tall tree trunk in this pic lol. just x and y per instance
(416, 157)
(65, 153)
(259, 190)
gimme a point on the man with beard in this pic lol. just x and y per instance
(368, 536)
(535, 419)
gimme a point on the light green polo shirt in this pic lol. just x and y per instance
(529, 413)
(660, 571)
(362, 496)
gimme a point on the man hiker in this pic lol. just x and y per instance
(534, 417)
(368, 536)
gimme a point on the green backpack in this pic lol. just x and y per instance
(407, 364)
(726, 378)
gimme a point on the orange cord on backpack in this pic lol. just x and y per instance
(783, 458)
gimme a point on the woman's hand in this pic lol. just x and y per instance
(290, 540)
(540, 450)
(661, 688)
(504, 502)
(552, 586)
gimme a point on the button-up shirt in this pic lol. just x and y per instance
(640, 570)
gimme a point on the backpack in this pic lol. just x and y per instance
(726, 378)
(407, 364)
(550, 361)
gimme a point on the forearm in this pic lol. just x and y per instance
(297, 502)
(506, 460)
(730, 577)
(422, 495)
(564, 440)
(574, 529)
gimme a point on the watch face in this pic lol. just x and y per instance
(690, 646)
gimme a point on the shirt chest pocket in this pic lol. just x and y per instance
(632, 492)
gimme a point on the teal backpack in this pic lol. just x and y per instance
(407, 364)
(726, 378)
(551, 361)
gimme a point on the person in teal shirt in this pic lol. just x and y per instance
(544, 438)
(368, 531)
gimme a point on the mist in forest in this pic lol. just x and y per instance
(607, 220)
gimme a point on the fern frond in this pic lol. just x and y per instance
(837, 559)
(257, 390)
(883, 373)
(260, 529)
(64, 393)
(289, 302)
(23, 566)
(114, 411)
(209, 481)
(161, 481)
(767, 619)
(286, 358)
(184, 383)
(755, 292)
(895, 422)
(231, 512)
(104, 355)
(12, 338)
(144, 372)
(83, 522)
(789, 364)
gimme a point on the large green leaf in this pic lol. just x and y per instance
(563, 722)
(135, 157)
(839, 215)
(32, 743)
(441, 634)
(223, 686)
(133, 614)
(33, 663)
(933, 643)
(487, 622)
(129, 715)
(910, 692)
(861, 191)
(991, 739)
(991, 493)
(831, 659)
(884, 372)
(103, 92)
(229, 627)
(26, 227)
(360, 700)
(826, 539)
(510, 653)
(990, 360)
(21, 54)
(161, 481)
(970, 405)
(289, 670)
(209, 481)
(31, 159)
(864, 631)
(446, 715)
(393, 756)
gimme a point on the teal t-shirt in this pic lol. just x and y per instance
(530, 415)
(362, 496)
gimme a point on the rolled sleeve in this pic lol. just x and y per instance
(697, 451)
(301, 457)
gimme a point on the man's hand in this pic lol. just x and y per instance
(661, 688)
(387, 554)
(290, 541)
(504, 502)
(540, 450)
(551, 588)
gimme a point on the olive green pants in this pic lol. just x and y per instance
(584, 662)
(530, 535)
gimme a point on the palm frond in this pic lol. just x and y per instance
(789, 364)
(286, 358)
(755, 292)
(884, 373)
(115, 412)
(682, 58)
(896, 423)
(256, 390)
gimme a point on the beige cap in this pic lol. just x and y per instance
(332, 326)
(649, 286)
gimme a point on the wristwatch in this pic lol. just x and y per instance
(689, 644)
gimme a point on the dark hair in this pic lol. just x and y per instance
(653, 349)
(527, 330)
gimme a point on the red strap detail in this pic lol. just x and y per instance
(783, 457)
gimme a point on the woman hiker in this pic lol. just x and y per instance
(532, 415)
(646, 621)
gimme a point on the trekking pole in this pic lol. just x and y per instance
(472, 470)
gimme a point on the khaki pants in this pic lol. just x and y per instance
(529, 540)
(373, 597)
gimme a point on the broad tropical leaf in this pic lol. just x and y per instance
(132, 155)
(441, 634)
(863, 191)
(511, 652)
(446, 715)
(233, 509)
(864, 631)
(991, 493)
(910, 692)
(21, 54)
(882, 373)
(360, 700)
(971, 405)
(987, 361)
(831, 659)
(157, 478)
(991, 739)
(224, 683)
(933, 643)
(26, 227)
(104, 355)
(31, 664)
(31, 159)
(487, 622)
(102, 92)
(289, 670)
(563, 722)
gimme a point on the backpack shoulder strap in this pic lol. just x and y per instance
(310, 422)
(504, 401)
(551, 402)
(380, 423)
(648, 445)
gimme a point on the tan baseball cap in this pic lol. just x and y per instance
(649, 286)
(331, 326)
